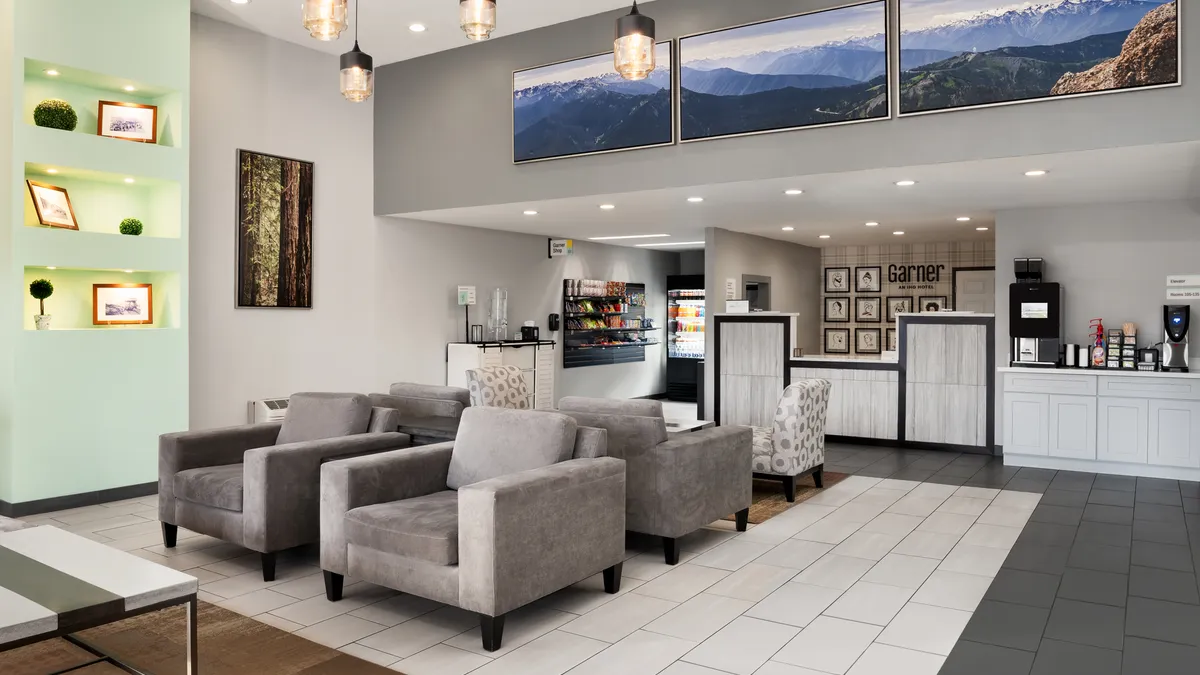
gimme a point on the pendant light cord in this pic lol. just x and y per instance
(357, 7)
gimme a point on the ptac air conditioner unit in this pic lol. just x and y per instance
(268, 410)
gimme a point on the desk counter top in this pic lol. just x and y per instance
(1097, 372)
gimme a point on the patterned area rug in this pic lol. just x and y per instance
(768, 500)
(230, 644)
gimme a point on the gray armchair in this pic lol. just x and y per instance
(519, 505)
(676, 484)
(428, 413)
(258, 485)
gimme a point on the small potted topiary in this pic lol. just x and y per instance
(55, 113)
(41, 289)
(131, 226)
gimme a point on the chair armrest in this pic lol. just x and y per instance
(701, 477)
(526, 535)
(197, 449)
(281, 488)
(377, 479)
(383, 420)
(410, 406)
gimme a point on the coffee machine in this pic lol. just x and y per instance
(1035, 316)
(1175, 340)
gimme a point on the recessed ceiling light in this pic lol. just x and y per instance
(129, 180)
(417, 27)
(51, 72)
(240, 2)
(906, 183)
(673, 243)
(130, 87)
(128, 271)
(981, 229)
(793, 193)
(629, 236)
(964, 219)
(823, 236)
(1035, 173)
(872, 224)
(898, 233)
(788, 228)
(695, 200)
(531, 213)
(52, 268)
(608, 207)
(51, 170)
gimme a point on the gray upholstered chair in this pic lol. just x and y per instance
(498, 387)
(10, 525)
(677, 484)
(794, 446)
(424, 400)
(258, 485)
(519, 505)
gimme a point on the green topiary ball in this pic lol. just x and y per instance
(131, 226)
(41, 289)
(55, 114)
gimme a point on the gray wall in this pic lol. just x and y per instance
(1112, 261)
(795, 273)
(444, 123)
(691, 262)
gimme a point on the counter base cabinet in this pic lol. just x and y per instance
(1122, 433)
(862, 403)
(1174, 433)
(1073, 427)
(1027, 424)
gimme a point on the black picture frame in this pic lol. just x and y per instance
(893, 340)
(874, 284)
(829, 315)
(858, 337)
(829, 287)
(924, 300)
(861, 301)
(845, 333)
(891, 315)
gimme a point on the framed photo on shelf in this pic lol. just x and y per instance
(52, 205)
(122, 304)
(837, 310)
(837, 340)
(128, 121)
(932, 303)
(866, 341)
(898, 304)
(837, 279)
(893, 342)
(868, 310)
(867, 279)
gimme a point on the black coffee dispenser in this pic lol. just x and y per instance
(1176, 319)
(1035, 316)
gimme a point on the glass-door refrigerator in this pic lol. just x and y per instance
(685, 334)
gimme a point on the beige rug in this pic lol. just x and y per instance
(768, 500)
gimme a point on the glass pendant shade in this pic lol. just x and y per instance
(477, 18)
(633, 50)
(325, 19)
(358, 75)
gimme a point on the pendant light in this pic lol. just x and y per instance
(477, 18)
(633, 50)
(358, 69)
(325, 19)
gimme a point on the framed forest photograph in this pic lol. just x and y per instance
(275, 214)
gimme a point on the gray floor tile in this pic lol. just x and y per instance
(1111, 497)
(1087, 623)
(1108, 534)
(1099, 557)
(1166, 621)
(1057, 497)
(994, 483)
(960, 470)
(1150, 657)
(1058, 515)
(1157, 484)
(974, 658)
(1104, 588)
(1007, 625)
(1191, 505)
(1033, 557)
(913, 474)
(1165, 556)
(1166, 497)
(1048, 534)
(1100, 513)
(1024, 588)
(1029, 473)
(1026, 485)
(1158, 512)
(1071, 480)
(1067, 658)
(943, 479)
(1122, 483)
(1162, 533)
(1160, 584)
(1189, 488)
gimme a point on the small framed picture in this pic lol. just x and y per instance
(52, 205)
(837, 340)
(122, 304)
(837, 310)
(932, 303)
(866, 341)
(867, 279)
(128, 121)
(898, 304)
(868, 310)
(893, 342)
(837, 279)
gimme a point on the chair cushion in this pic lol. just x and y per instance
(499, 387)
(495, 442)
(313, 416)
(216, 486)
(764, 446)
(410, 390)
(639, 407)
(425, 528)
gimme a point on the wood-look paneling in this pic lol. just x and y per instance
(752, 349)
(750, 400)
(861, 402)
(946, 376)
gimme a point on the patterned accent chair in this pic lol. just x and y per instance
(795, 445)
(498, 387)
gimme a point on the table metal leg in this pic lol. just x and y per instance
(193, 655)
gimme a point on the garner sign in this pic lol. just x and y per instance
(904, 274)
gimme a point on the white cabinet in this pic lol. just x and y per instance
(535, 359)
(1073, 427)
(1123, 429)
(1175, 433)
(1027, 423)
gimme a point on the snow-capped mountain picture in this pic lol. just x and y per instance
(1010, 51)
(819, 68)
(584, 106)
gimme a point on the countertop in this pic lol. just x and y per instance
(1097, 372)
(840, 359)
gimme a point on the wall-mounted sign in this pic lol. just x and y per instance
(730, 289)
(466, 295)
(1183, 280)
(1183, 287)
(560, 248)
(905, 274)
(1189, 294)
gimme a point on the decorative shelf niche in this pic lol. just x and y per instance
(71, 304)
(102, 200)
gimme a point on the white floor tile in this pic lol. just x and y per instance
(834, 496)
(552, 654)
(277, 622)
(340, 630)
(947, 523)
(417, 635)
(1006, 516)
(619, 618)
(776, 530)
(650, 566)
(732, 555)
(685, 668)
(954, 590)
(396, 610)
(795, 604)
(835, 571)
(981, 560)
(583, 597)
(995, 536)
(753, 582)
(927, 544)
(520, 628)
(367, 654)
(829, 531)
(699, 618)
(1011, 499)
(829, 645)
(916, 505)
(855, 512)
(870, 603)
(703, 539)
(441, 660)
(935, 490)
(251, 562)
(303, 588)
(318, 609)
(968, 506)
(887, 660)
(742, 646)
(894, 484)
(925, 628)
(893, 523)
(682, 583)
(905, 571)
(880, 496)
(976, 492)
(776, 668)
(642, 653)
(257, 602)
(795, 554)
(869, 545)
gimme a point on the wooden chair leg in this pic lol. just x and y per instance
(333, 586)
(492, 628)
(170, 534)
(268, 565)
(612, 579)
(671, 550)
(789, 488)
(743, 519)
(819, 477)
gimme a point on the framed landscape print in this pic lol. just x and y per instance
(820, 68)
(866, 341)
(275, 220)
(837, 340)
(837, 279)
(964, 53)
(898, 304)
(128, 121)
(867, 279)
(868, 310)
(893, 344)
(932, 303)
(52, 205)
(837, 310)
(582, 106)
(122, 304)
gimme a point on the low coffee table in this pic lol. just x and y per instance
(54, 583)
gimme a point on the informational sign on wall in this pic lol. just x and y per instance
(730, 289)
(1183, 287)
(466, 295)
(561, 248)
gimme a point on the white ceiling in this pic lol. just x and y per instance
(840, 204)
(384, 33)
